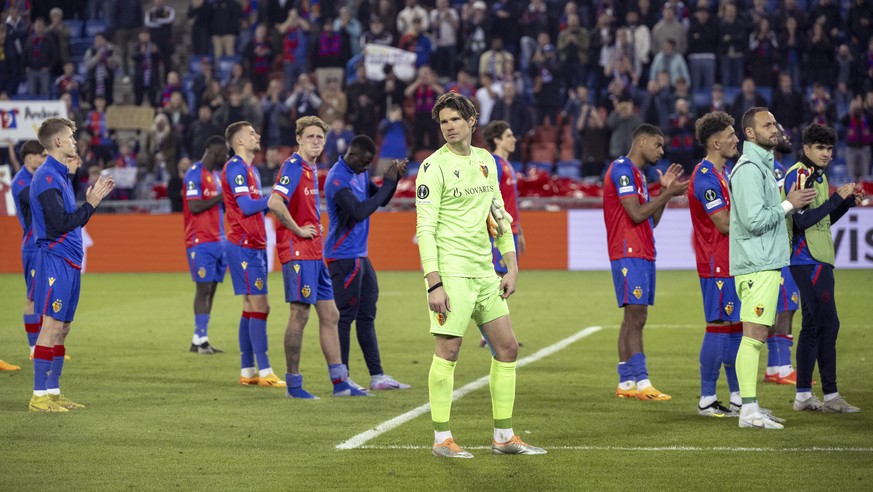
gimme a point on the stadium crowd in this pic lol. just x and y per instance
(572, 78)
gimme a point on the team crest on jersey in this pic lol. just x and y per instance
(422, 192)
(441, 318)
(484, 169)
(729, 308)
(244, 264)
(719, 283)
(57, 305)
(794, 297)
(284, 180)
(201, 272)
(624, 180)
(624, 271)
(259, 283)
(759, 310)
(306, 291)
(239, 180)
(638, 292)
(32, 273)
(51, 281)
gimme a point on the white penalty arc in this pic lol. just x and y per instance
(360, 439)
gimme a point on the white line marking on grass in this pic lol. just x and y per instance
(693, 449)
(359, 440)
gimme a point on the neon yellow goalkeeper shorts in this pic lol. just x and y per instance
(476, 299)
(758, 293)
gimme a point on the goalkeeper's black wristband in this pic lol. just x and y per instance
(434, 287)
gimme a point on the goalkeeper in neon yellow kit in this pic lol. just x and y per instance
(458, 204)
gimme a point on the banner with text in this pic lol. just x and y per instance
(377, 56)
(853, 239)
(20, 120)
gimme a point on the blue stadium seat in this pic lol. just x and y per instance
(518, 166)
(194, 65)
(94, 27)
(701, 98)
(767, 93)
(543, 166)
(75, 26)
(731, 92)
(78, 47)
(225, 63)
(569, 169)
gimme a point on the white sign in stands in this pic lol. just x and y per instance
(853, 239)
(377, 56)
(20, 120)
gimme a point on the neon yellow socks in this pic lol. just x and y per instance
(748, 357)
(440, 383)
(502, 385)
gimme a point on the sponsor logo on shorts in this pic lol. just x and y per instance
(192, 254)
(759, 310)
(729, 308)
(57, 305)
(32, 273)
(719, 284)
(638, 292)
(305, 291)
(624, 271)
(441, 318)
(244, 264)
(51, 281)
(201, 272)
(297, 268)
(259, 283)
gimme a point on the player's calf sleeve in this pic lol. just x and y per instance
(258, 334)
(729, 356)
(440, 384)
(710, 362)
(42, 364)
(637, 364)
(52, 382)
(748, 356)
(32, 324)
(502, 384)
(773, 346)
(201, 325)
(247, 358)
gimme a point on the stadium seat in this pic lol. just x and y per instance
(766, 93)
(75, 26)
(194, 66)
(518, 166)
(731, 92)
(78, 47)
(540, 166)
(569, 169)
(701, 98)
(225, 64)
(94, 27)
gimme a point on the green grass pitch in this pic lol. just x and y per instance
(159, 417)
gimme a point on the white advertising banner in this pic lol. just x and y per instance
(853, 239)
(377, 56)
(20, 120)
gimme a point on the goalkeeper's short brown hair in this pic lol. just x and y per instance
(459, 103)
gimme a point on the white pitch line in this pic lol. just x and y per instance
(658, 449)
(359, 440)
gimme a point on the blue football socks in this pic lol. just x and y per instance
(247, 359)
(258, 334)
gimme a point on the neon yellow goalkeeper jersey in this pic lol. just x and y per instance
(453, 198)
